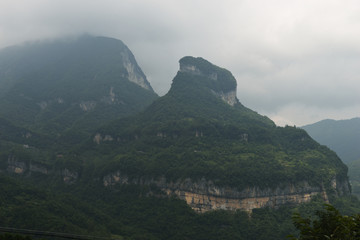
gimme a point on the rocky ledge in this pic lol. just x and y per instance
(203, 195)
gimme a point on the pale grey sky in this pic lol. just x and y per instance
(296, 61)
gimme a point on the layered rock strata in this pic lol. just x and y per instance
(203, 195)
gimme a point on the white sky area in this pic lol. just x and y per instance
(296, 61)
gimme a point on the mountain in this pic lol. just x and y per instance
(146, 175)
(68, 88)
(342, 136)
(199, 143)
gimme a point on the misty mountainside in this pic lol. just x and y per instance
(68, 88)
(19, 135)
(141, 176)
(200, 131)
(342, 136)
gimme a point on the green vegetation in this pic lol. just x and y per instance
(189, 133)
(14, 237)
(354, 173)
(24, 206)
(126, 211)
(67, 89)
(342, 136)
(329, 224)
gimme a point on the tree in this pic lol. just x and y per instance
(329, 224)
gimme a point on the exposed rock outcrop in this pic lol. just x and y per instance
(38, 168)
(204, 196)
(21, 167)
(134, 72)
(228, 97)
(225, 82)
(16, 166)
(69, 177)
(87, 105)
(190, 69)
(98, 138)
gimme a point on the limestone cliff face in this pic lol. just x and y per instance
(134, 72)
(204, 196)
(228, 97)
(25, 168)
(16, 166)
(21, 167)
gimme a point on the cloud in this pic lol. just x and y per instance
(299, 54)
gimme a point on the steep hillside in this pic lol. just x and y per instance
(354, 174)
(24, 206)
(201, 144)
(342, 136)
(68, 88)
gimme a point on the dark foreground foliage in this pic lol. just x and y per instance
(7, 236)
(328, 224)
(125, 212)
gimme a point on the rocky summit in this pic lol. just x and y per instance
(223, 83)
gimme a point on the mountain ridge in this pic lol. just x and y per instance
(340, 135)
(147, 175)
(71, 86)
(192, 133)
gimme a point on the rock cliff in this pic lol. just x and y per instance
(203, 195)
(135, 74)
(21, 167)
(26, 168)
(223, 83)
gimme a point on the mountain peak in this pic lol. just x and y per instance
(219, 80)
(111, 47)
(77, 83)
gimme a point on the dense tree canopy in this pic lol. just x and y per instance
(328, 224)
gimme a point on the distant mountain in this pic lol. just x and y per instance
(342, 136)
(68, 88)
(201, 144)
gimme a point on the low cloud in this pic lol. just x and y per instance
(296, 61)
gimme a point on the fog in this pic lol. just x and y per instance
(295, 61)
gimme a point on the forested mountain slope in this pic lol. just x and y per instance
(68, 88)
(200, 143)
(142, 176)
(342, 136)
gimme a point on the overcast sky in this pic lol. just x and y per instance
(297, 62)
